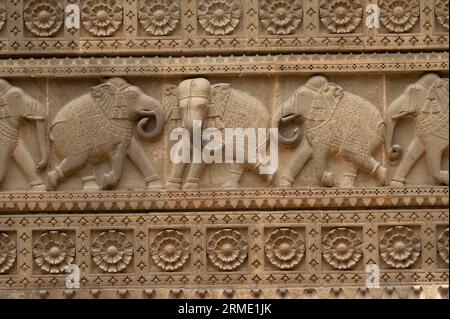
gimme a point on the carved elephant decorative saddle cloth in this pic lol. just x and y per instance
(434, 117)
(343, 121)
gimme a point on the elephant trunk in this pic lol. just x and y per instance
(42, 141)
(147, 133)
(395, 112)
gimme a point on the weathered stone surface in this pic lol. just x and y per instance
(90, 194)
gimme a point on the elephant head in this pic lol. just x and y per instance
(193, 101)
(17, 104)
(297, 108)
(410, 103)
(122, 101)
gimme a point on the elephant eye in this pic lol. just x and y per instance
(132, 95)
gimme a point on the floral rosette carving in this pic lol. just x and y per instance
(2, 15)
(342, 248)
(8, 253)
(442, 245)
(284, 248)
(159, 17)
(219, 17)
(399, 15)
(441, 12)
(43, 17)
(112, 252)
(102, 18)
(341, 16)
(227, 249)
(281, 17)
(400, 247)
(170, 250)
(53, 252)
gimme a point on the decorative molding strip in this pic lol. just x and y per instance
(234, 65)
(26, 202)
(191, 27)
(217, 250)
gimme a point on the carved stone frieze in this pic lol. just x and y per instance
(117, 27)
(224, 149)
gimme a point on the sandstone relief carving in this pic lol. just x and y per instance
(341, 16)
(219, 106)
(43, 18)
(159, 17)
(8, 253)
(170, 250)
(441, 12)
(227, 249)
(219, 17)
(335, 123)
(281, 17)
(53, 252)
(99, 126)
(16, 107)
(399, 15)
(284, 248)
(102, 18)
(400, 247)
(342, 248)
(426, 101)
(2, 15)
(112, 252)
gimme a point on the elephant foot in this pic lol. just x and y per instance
(53, 178)
(283, 182)
(397, 182)
(191, 183)
(38, 186)
(90, 184)
(443, 177)
(109, 181)
(328, 179)
(174, 183)
(156, 184)
(349, 181)
(382, 174)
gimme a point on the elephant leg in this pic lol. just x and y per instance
(350, 175)
(371, 165)
(26, 162)
(117, 163)
(300, 158)
(193, 176)
(235, 174)
(88, 177)
(65, 167)
(6, 151)
(176, 176)
(321, 154)
(139, 158)
(434, 160)
(414, 152)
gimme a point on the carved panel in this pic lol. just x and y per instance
(219, 26)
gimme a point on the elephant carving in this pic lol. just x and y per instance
(16, 106)
(100, 126)
(334, 123)
(426, 101)
(216, 106)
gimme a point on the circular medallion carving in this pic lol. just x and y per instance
(227, 249)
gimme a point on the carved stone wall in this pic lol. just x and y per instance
(86, 177)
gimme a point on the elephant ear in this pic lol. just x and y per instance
(439, 91)
(4, 110)
(170, 103)
(104, 96)
(219, 99)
